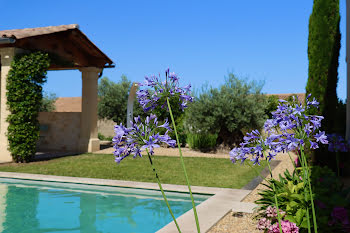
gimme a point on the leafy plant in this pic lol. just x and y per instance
(104, 138)
(201, 141)
(233, 108)
(291, 198)
(24, 98)
(113, 99)
(272, 103)
(48, 102)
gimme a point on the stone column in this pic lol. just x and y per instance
(89, 141)
(7, 55)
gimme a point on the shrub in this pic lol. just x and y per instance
(272, 103)
(113, 99)
(228, 111)
(104, 138)
(201, 141)
(48, 102)
(24, 96)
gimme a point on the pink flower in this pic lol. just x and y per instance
(272, 212)
(296, 161)
(287, 227)
(263, 224)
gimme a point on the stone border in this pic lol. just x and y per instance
(209, 211)
(264, 173)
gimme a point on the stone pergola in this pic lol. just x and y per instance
(68, 49)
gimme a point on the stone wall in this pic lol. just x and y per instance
(59, 131)
(106, 127)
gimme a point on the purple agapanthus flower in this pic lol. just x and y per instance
(160, 90)
(140, 136)
(321, 137)
(339, 214)
(337, 143)
(288, 130)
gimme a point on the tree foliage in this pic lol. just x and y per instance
(24, 95)
(48, 102)
(272, 103)
(323, 54)
(229, 111)
(113, 99)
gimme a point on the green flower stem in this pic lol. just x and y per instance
(183, 166)
(302, 163)
(290, 157)
(308, 220)
(310, 189)
(257, 173)
(276, 202)
(161, 189)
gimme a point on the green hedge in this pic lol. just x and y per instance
(104, 138)
(201, 141)
(24, 96)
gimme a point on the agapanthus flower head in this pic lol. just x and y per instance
(159, 90)
(288, 130)
(295, 126)
(140, 136)
(339, 214)
(256, 145)
(313, 103)
(337, 143)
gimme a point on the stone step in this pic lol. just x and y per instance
(243, 207)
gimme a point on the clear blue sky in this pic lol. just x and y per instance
(199, 40)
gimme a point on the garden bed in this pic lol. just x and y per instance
(242, 222)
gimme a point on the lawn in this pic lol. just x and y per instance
(211, 172)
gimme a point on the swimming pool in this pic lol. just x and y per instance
(37, 206)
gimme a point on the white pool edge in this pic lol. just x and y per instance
(209, 212)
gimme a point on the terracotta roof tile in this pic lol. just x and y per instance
(29, 32)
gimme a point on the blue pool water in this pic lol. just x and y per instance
(35, 207)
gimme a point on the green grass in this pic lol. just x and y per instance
(211, 172)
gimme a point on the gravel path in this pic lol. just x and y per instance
(232, 222)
